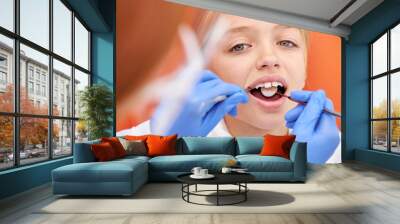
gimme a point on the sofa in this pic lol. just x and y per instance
(126, 175)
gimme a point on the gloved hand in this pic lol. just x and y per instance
(204, 106)
(311, 125)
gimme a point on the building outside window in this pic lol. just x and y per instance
(55, 96)
(43, 90)
(38, 89)
(34, 75)
(37, 75)
(3, 60)
(3, 72)
(385, 95)
(44, 77)
(30, 87)
(30, 72)
(3, 77)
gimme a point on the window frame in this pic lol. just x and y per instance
(388, 74)
(16, 115)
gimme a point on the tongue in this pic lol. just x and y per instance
(257, 93)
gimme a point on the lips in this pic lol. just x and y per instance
(264, 92)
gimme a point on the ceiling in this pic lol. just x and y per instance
(324, 9)
(327, 16)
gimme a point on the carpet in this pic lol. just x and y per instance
(166, 198)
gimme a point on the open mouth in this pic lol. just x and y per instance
(268, 91)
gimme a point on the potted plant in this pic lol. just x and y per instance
(96, 102)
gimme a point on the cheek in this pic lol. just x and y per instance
(231, 69)
(296, 68)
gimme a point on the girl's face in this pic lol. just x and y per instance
(259, 56)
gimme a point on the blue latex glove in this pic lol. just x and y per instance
(200, 113)
(311, 125)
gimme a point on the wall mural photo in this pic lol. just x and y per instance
(193, 72)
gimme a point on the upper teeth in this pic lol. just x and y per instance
(269, 85)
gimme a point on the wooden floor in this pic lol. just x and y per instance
(378, 188)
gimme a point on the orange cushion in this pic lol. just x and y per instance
(103, 151)
(161, 145)
(277, 145)
(134, 138)
(116, 145)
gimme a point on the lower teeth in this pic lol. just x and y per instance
(269, 92)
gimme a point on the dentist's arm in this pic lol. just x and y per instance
(311, 125)
(207, 103)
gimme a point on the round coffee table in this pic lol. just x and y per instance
(238, 179)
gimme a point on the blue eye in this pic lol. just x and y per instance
(287, 43)
(239, 47)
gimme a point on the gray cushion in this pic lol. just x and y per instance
(134, 147)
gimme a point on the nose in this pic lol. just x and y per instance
(267, 59)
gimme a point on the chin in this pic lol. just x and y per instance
(270, 124)
(265, 121)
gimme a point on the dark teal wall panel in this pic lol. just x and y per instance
(103, 52)
(376, 158)
(375, 22)
(357, 101)
(90, 12)
(103, 62)
(24, 178)
(102, 58)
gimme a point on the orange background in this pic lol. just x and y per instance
(325, 67)
(148, 47)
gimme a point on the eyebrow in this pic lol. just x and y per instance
(247, 28)
(238, 29)
(284, 26)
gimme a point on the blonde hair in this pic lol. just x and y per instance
(305, 34)
(203, 23)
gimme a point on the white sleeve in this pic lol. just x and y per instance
(336, 157)
(220, 130)
(141, 129)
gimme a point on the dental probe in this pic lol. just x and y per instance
(336, 114)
